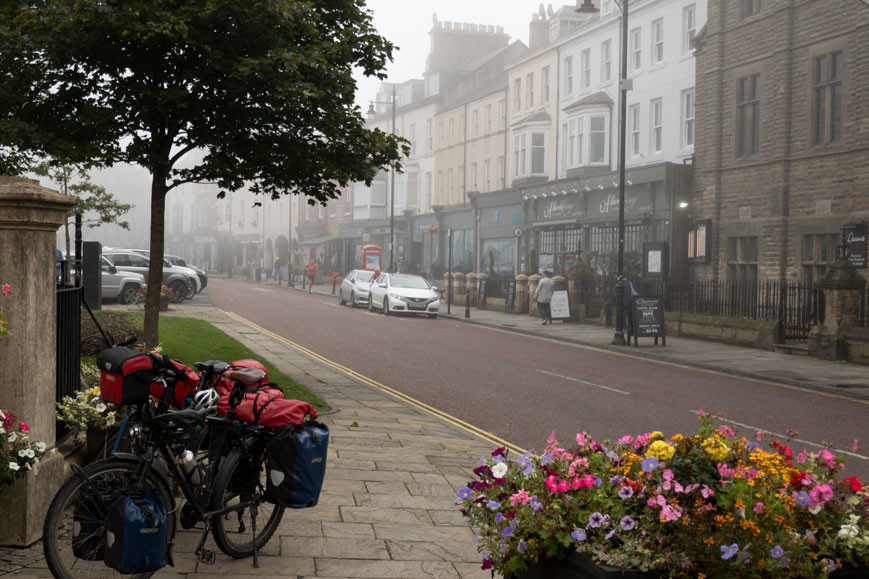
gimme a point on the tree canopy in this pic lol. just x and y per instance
(263, 89)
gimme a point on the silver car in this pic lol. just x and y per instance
(394, 293)
(354, 288)
(174, 278)
(122, 286)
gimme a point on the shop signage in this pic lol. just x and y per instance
(607, 203)
(560, 305)
(562, 208)
(855, 237)
(647, 318)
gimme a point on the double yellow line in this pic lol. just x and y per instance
(487, 436)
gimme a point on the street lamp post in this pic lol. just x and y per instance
(589, 8)
(392, 183)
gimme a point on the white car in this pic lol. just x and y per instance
(354, 287)
(403, 293)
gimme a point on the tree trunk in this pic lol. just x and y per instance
(155, 271)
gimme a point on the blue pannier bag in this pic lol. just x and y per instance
(297, 464)
(136, 534)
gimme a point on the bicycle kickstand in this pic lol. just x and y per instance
(204, 554)
(253, 510)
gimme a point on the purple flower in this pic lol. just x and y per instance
(810, 535)
(828, 565)
(508, 530)
(494, 505)
(729, 551)
(606, 519)
(546, 458)
(465, 494)
(776, 552)
(612, 456)
(597, 481)
(617, 480)
(499, 517)
(595, 520)
(627, 523)
(522, 546)
(610, 535)
(578, 534)
(535, 506)
(802, 498)
(626, 492)
(649, 464)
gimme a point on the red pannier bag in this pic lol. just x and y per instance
(268, 407)
(125, 375)
(223, 385)
(185, 387)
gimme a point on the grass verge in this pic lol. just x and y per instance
(190, 340)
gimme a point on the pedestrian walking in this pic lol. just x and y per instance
(543, 296)
(311, 271)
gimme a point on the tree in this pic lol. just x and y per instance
(262, 90)
(94, 201)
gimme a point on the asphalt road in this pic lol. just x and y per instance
(521, 388)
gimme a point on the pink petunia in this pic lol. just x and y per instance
(855, 446)
(24, 427)
(758, 508)
(6, 289)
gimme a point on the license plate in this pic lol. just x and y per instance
(414, 306)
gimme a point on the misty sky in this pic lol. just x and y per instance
(406, 23)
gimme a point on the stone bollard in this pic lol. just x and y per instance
(458, 284)
(841, 287)
(29, 217)
(521, 294)
(532, 287)
(471, 285)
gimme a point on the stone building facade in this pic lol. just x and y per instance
(782, 139)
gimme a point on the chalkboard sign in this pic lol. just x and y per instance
(855, 237)
(510, 299)
(481, 294)
(560, 304)
(647, 318)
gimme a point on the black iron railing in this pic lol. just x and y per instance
(68, 359)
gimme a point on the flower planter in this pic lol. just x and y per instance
(577, 566)
(96, 437)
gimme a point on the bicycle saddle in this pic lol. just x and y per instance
(246, 376)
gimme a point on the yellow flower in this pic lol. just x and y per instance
(715, 449)
(661, 450)
(676, 437)
(656, 435)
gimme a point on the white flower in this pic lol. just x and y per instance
(40, 446)
(499, 470)
(110, 419)
(29, 453)
(13, 465)
(101, 407)
(13, 436)
(2, 430)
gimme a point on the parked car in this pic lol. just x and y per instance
(122, 286)
(403, 293)
(179, 262)
(175, 278)
(354, 287)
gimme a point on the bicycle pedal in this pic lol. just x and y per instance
(208, 556)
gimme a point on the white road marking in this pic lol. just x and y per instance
(577, 380)
(784, 436)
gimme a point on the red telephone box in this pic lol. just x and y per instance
(371, 255)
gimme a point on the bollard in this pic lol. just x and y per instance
(304, 279)
(467, 303)
(334, 283)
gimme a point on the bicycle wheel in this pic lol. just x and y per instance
(73, 535)
(239, 481)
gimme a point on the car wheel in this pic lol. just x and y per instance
(341, 301)
(180, 289)
(191, 289)
(352, 299)
(370, 305)
(386, 306)
(130, 294)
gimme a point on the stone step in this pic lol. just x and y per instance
(793, 348)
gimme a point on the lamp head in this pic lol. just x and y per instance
(371, 110)
(587, 7)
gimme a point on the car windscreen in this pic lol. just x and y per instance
(364, 276)
(409, 281)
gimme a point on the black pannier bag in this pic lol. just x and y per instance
(297, 464)
(125, 375)
(136, 535)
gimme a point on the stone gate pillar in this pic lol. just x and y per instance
(521, 294)
(841, 287)
(532, 287)
(29, 217)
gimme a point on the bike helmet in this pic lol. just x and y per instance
(205, 401)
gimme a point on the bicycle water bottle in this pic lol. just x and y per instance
(187, 461)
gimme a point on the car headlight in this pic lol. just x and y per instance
(396, 297)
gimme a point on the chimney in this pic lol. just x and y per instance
(538, 31)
